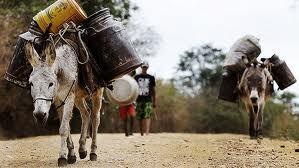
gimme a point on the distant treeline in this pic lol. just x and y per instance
(176, 111)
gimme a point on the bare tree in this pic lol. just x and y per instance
(145, 39)
(295, 4)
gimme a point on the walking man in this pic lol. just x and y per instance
(146, 100)
(127, 114)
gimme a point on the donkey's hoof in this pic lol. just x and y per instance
(83, 154)
(71, 159)
(62, 162)
(259, 140)
(93, 157)
(253, 137)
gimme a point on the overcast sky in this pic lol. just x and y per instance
(183, 24)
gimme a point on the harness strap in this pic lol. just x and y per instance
(63, 103)
(78, 30)
(238, 99)
(51, 99)
(42, 98)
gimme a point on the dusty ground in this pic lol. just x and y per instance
(157, 150)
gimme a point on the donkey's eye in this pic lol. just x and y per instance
(51, 84)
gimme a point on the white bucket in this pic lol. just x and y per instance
(125, 91)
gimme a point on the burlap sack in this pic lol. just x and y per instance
(248, 47)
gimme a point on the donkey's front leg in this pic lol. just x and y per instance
(64, 129)
(95, 121)
(252, 132)
(259, 123)
(71, 157)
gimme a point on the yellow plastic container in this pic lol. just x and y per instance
(60, 12)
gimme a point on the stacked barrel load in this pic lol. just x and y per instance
(246, 51)
(105, 39)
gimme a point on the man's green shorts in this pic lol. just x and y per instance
(144, 110)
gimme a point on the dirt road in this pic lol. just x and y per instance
(157, 150)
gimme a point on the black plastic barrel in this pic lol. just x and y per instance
(281, 73)
(19, 69)
(227, 89)
(110, 46)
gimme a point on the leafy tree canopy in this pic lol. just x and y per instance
(287, 97)
(28, 8)
(200, 67)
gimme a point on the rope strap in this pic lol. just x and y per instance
(63, 103)
(51, 99)
(75, 29)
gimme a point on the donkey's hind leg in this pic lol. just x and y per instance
(85, 116)
(95, 121)
(71, 157)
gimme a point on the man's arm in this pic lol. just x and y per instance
(153, 85)
(154, 96)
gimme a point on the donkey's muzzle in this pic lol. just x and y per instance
(40, 116)
(254, 95)
(253, 100)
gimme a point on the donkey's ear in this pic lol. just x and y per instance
(50, 54)
(32, 55)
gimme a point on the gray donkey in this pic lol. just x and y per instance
(255, 88)
(54, 79)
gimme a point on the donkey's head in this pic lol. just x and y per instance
(254, 84)
(43, 79)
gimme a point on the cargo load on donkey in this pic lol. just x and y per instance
(107, 46)
(245, 52)
(246, 47)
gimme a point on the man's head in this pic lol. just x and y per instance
(144, 67)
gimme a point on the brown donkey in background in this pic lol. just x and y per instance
(254, 89)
